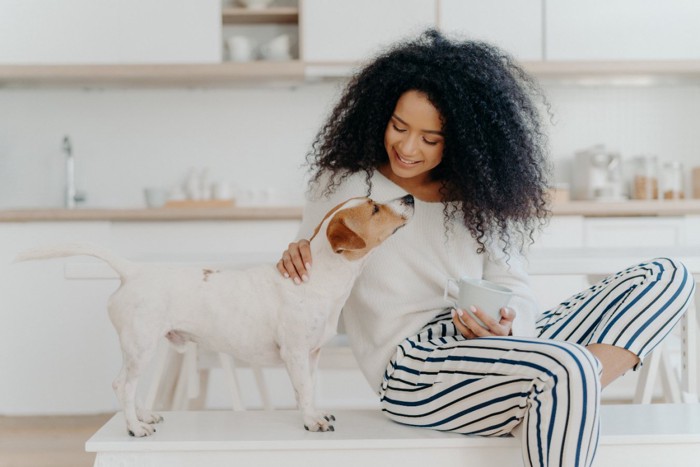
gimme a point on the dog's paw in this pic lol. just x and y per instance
(147, 416)
(140, 429)
(321, 422)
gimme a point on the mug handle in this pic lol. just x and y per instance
(444, 293)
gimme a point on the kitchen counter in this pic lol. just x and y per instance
(255, 213)
(262, 213)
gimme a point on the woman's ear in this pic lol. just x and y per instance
(342, 238)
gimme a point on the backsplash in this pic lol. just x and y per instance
(255, 138)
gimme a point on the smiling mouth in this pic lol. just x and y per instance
(405, 161)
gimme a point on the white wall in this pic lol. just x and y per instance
(126, 139)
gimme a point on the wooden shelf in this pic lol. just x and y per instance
(229, 74)
(611, 70)
(275, 15)
(175, 75)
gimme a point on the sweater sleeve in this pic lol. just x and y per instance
(512, 273)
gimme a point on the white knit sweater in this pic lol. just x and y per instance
(401, 287)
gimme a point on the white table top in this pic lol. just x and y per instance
(364, 429)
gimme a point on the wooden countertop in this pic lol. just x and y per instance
(263, 213)
(248, 213)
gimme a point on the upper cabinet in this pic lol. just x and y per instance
(623, 30)
(110, 32)
(513, 25)
(354, 30)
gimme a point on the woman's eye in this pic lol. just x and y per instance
(400, 130)
(431, 143)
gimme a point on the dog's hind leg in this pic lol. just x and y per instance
(300, 372)
(136, 355)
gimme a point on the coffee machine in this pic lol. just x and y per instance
(597, 175)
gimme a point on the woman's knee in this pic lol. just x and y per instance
(573, 365)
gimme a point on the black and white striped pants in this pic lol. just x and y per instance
(548, 386)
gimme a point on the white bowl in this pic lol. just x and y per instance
(255, 4)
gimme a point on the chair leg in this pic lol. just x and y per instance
(647, 377)
(262, 387)
(689, 349)
(230, 371)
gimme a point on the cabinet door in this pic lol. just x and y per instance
(514, 25)
(634, 232)
(354, 30)
(110, 32)
(622, 30)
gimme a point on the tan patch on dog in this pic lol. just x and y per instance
(355, 231)
(329, 214)
(207, 273)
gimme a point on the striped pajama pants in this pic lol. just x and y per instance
(548, 387)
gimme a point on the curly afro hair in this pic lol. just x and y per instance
(494, 167)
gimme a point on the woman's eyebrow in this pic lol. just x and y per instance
(435, 132)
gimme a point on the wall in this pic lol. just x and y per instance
(126, 139)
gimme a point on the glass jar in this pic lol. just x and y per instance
(645, 181)
(672, 180)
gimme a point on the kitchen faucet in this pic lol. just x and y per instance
(71, 195)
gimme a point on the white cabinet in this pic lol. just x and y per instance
(622, 30)
(634, 232)
(355, 30)
(109, 32)
(514, 25)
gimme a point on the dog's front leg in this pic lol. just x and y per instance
(300, 371)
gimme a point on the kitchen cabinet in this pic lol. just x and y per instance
(354, 30)
(34, 32)
(514, 25)
(622, 30)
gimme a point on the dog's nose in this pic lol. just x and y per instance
(408, 199)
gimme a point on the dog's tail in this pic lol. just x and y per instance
(122, 266)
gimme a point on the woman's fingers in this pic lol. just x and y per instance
(474, 326)
(296, 261)
(461, 327)
(471, 328)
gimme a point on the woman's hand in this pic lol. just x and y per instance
(471, 329)
(296, 261)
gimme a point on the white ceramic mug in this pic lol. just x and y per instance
(240, 49)
(484, 294)
(255, 4)
(155, 197)
(277, 49)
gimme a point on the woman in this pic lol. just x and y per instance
(455, 125)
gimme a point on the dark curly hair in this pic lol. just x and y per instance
(495, 158)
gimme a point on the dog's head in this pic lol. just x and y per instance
(360, 224)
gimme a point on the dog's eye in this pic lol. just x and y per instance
(375, 209)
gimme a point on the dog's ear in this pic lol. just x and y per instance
(342, 238)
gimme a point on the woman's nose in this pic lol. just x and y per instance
(409, 145)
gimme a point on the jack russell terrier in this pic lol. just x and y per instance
(256, 315)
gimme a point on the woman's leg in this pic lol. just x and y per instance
(489, 386)
(625, 316)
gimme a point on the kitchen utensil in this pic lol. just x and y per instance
(240, 49)
(645, 182)
(277, 49)
(255, 4)
(672, 180)
(155, 197)
(484, 294)
(598, 175)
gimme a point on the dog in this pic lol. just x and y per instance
(256, 314)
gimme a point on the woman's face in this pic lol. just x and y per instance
(413, 138)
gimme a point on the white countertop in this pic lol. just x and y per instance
(570, 208)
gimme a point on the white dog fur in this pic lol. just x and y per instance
(256, 315)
